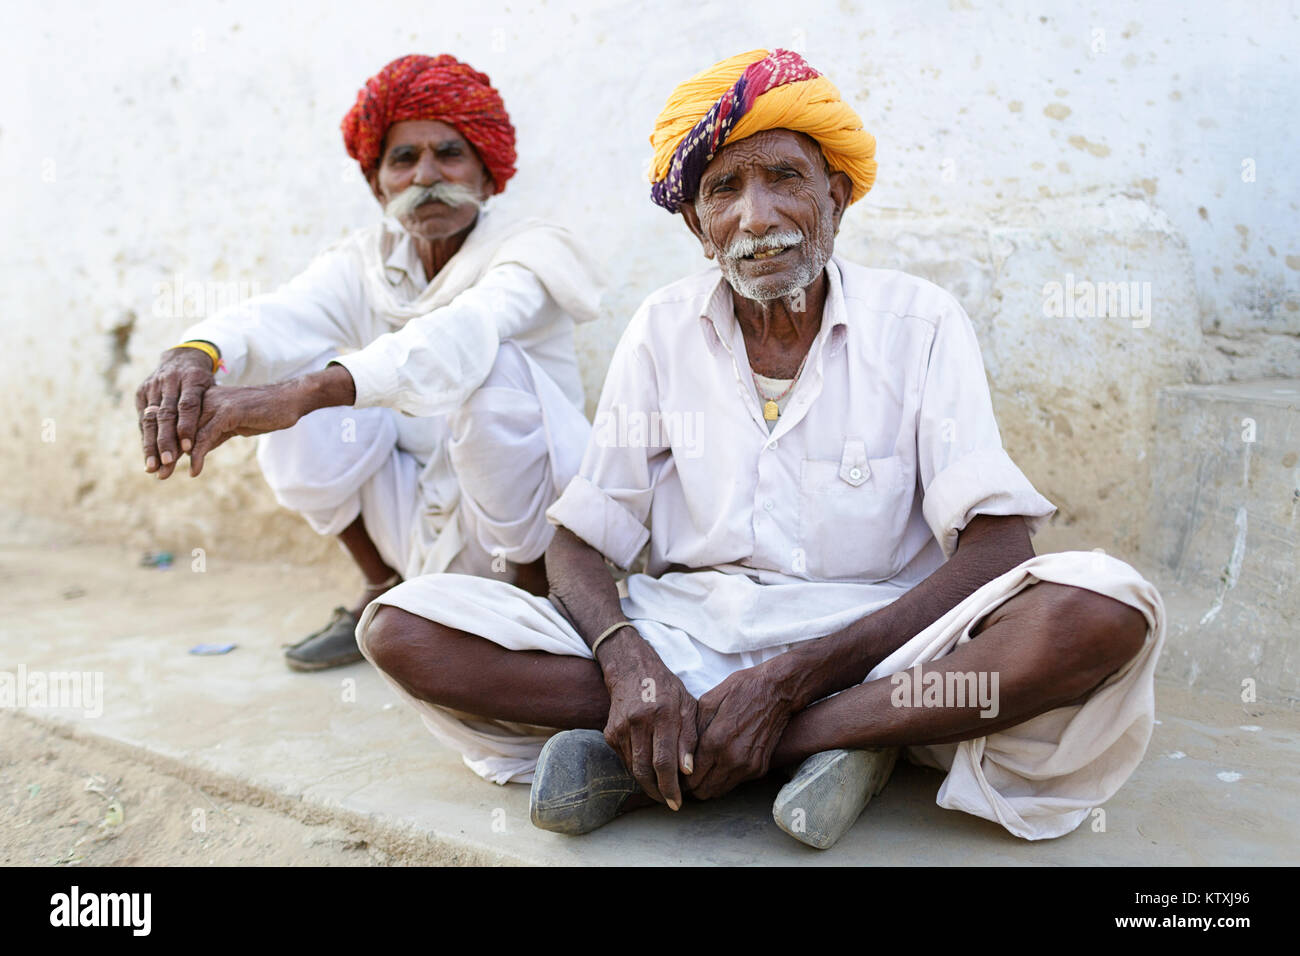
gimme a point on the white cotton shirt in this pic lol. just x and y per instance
(427, 365)
(886, 448)
(424, 348)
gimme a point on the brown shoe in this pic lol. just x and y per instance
(334, 645)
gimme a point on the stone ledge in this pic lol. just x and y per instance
(338, 747)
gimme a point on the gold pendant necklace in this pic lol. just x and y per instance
(771, 411)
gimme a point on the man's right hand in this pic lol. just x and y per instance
(169, 403)
(652, 716)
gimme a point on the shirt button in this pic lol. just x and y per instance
(772, 444)
(769, 504)
(855, 473)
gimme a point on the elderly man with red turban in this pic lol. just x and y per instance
(417, 386)
(839, 546)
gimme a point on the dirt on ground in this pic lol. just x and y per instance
(66, 803)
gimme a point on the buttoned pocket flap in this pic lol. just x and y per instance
(853, 463)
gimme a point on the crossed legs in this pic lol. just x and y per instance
(1051, 645)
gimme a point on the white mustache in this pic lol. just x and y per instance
(749, 245)
(411, 198)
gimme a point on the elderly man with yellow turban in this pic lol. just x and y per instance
(839, 546)
(417, 387)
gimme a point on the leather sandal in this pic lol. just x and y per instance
(829, 791)
(334, 645)
(580, 783)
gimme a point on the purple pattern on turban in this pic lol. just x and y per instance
(702, 143)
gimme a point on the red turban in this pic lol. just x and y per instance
(440, 88)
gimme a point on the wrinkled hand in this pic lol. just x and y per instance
(229, 411)
(168, 404)
(652, 718)
(740, 723)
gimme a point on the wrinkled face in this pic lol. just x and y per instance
(768, 209)
(424, 153)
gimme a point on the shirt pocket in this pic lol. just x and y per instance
(852, 515)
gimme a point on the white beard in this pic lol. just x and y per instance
(754, 289)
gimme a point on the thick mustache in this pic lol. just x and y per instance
(747, 246)
(411, 198)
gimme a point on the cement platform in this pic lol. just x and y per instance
(1219, 784)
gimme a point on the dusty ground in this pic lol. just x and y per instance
(64, 803)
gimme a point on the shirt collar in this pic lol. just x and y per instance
(719, 315)
(402, 262)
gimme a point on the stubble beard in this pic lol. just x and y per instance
(819, 253)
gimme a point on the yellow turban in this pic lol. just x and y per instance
(748, 94)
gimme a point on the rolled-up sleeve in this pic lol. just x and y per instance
(964, 469)
(607, 504)
(436, 361)
(272, 337)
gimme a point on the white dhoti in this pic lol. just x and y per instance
(1038, 779)
(464, 492)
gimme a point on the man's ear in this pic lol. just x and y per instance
(841, 190)
(693, 224)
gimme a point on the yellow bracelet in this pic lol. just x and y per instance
(207, 349)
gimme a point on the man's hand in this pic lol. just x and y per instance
(740, 723)
(169, 404)
(229, 411)
(652, 716)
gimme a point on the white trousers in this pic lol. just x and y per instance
(465, 492)
(1038, 779)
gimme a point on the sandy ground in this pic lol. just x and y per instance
(65, 803)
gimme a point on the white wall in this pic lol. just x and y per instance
(142, 141)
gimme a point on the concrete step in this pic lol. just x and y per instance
(1218, 785)
(1222, 537)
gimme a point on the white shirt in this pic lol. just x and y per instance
(425, 366)
(885, 451)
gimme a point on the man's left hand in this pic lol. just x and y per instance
(231, 410)
(741, 721)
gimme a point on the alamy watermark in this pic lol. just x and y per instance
(54, 690)
(1084, 299)
(621, 427)
(75, 908)
(936, 688)
(176, 298)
